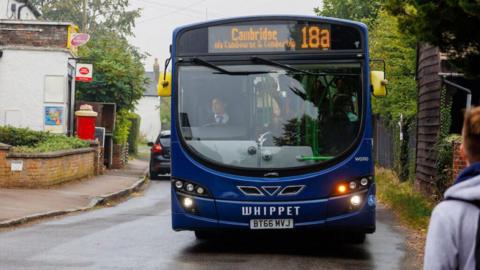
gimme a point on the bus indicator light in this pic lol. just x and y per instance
(342, 188)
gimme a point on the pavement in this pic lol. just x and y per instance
(137, 234)
(19, 206)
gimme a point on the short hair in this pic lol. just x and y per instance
(471, 134)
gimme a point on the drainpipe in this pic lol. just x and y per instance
(19, 11)
(468, 104)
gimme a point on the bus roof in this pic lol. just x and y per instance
(363, 27)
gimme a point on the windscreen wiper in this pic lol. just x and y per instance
(277, 64)
(202, 62)
(288, 67)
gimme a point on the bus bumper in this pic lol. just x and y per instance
(334, 213)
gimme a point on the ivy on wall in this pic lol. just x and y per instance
(444, 145)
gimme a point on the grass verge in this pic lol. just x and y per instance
(412, 207)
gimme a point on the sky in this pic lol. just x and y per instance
(153, 31)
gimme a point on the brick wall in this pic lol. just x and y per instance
(33, 35)
(46, 169)
(120, 156)
(458, 162)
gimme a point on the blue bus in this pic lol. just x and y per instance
(271, 126)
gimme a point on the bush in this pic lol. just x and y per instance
(444, 162)
(53, 143)
(25, 140)
(134, 133)
(21, 136)
(122, 127)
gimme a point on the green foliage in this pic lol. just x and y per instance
(97, 17)
(398, 51)
(134, 133)
(28, 141)
(452, 25)
(21, 136)
(445, 113)
(444, 162)
(122, 127)
(444, 146)
(388, 43)
(165, 112)
(411, 206)
(53, 143)
(357, 10)
(118, 75)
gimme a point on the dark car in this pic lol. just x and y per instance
(160, 155)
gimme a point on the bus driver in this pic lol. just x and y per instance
(219, 114)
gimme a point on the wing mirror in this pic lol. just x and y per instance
(379, 83)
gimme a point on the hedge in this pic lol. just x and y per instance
(134, 134)
(25, 140)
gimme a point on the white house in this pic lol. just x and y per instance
(148, 107)
(17, 10)
(34, 69)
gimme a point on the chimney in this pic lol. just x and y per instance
(156, 70)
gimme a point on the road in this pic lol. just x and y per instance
(136, 234)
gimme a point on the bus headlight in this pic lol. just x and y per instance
(356, 200)
(178, 184)
(352, 186)
(364, 181)
(190, 188)
(187, 202)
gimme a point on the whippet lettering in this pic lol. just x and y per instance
(270, 210)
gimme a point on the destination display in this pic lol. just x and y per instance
(268, 38)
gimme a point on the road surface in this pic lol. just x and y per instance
(136, 234)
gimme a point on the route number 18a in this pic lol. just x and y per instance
(313, 37)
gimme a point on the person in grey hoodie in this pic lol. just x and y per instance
(452, 233)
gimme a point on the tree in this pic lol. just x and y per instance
(165, 112)
(452, 25)
(398, 51)
(118, 72)
(93, 16)
(357, 10)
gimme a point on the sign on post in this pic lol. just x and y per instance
(84, 72)
(79, 39)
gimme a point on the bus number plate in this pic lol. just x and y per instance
(263, 224)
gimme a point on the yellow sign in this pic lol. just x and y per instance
(72, 30)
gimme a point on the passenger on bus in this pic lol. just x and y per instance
(453, 233)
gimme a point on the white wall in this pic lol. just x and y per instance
(6, 13)
(149, 111)
(22, 85)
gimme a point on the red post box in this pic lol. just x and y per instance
(86, 119)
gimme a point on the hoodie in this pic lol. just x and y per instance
(452, 231)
